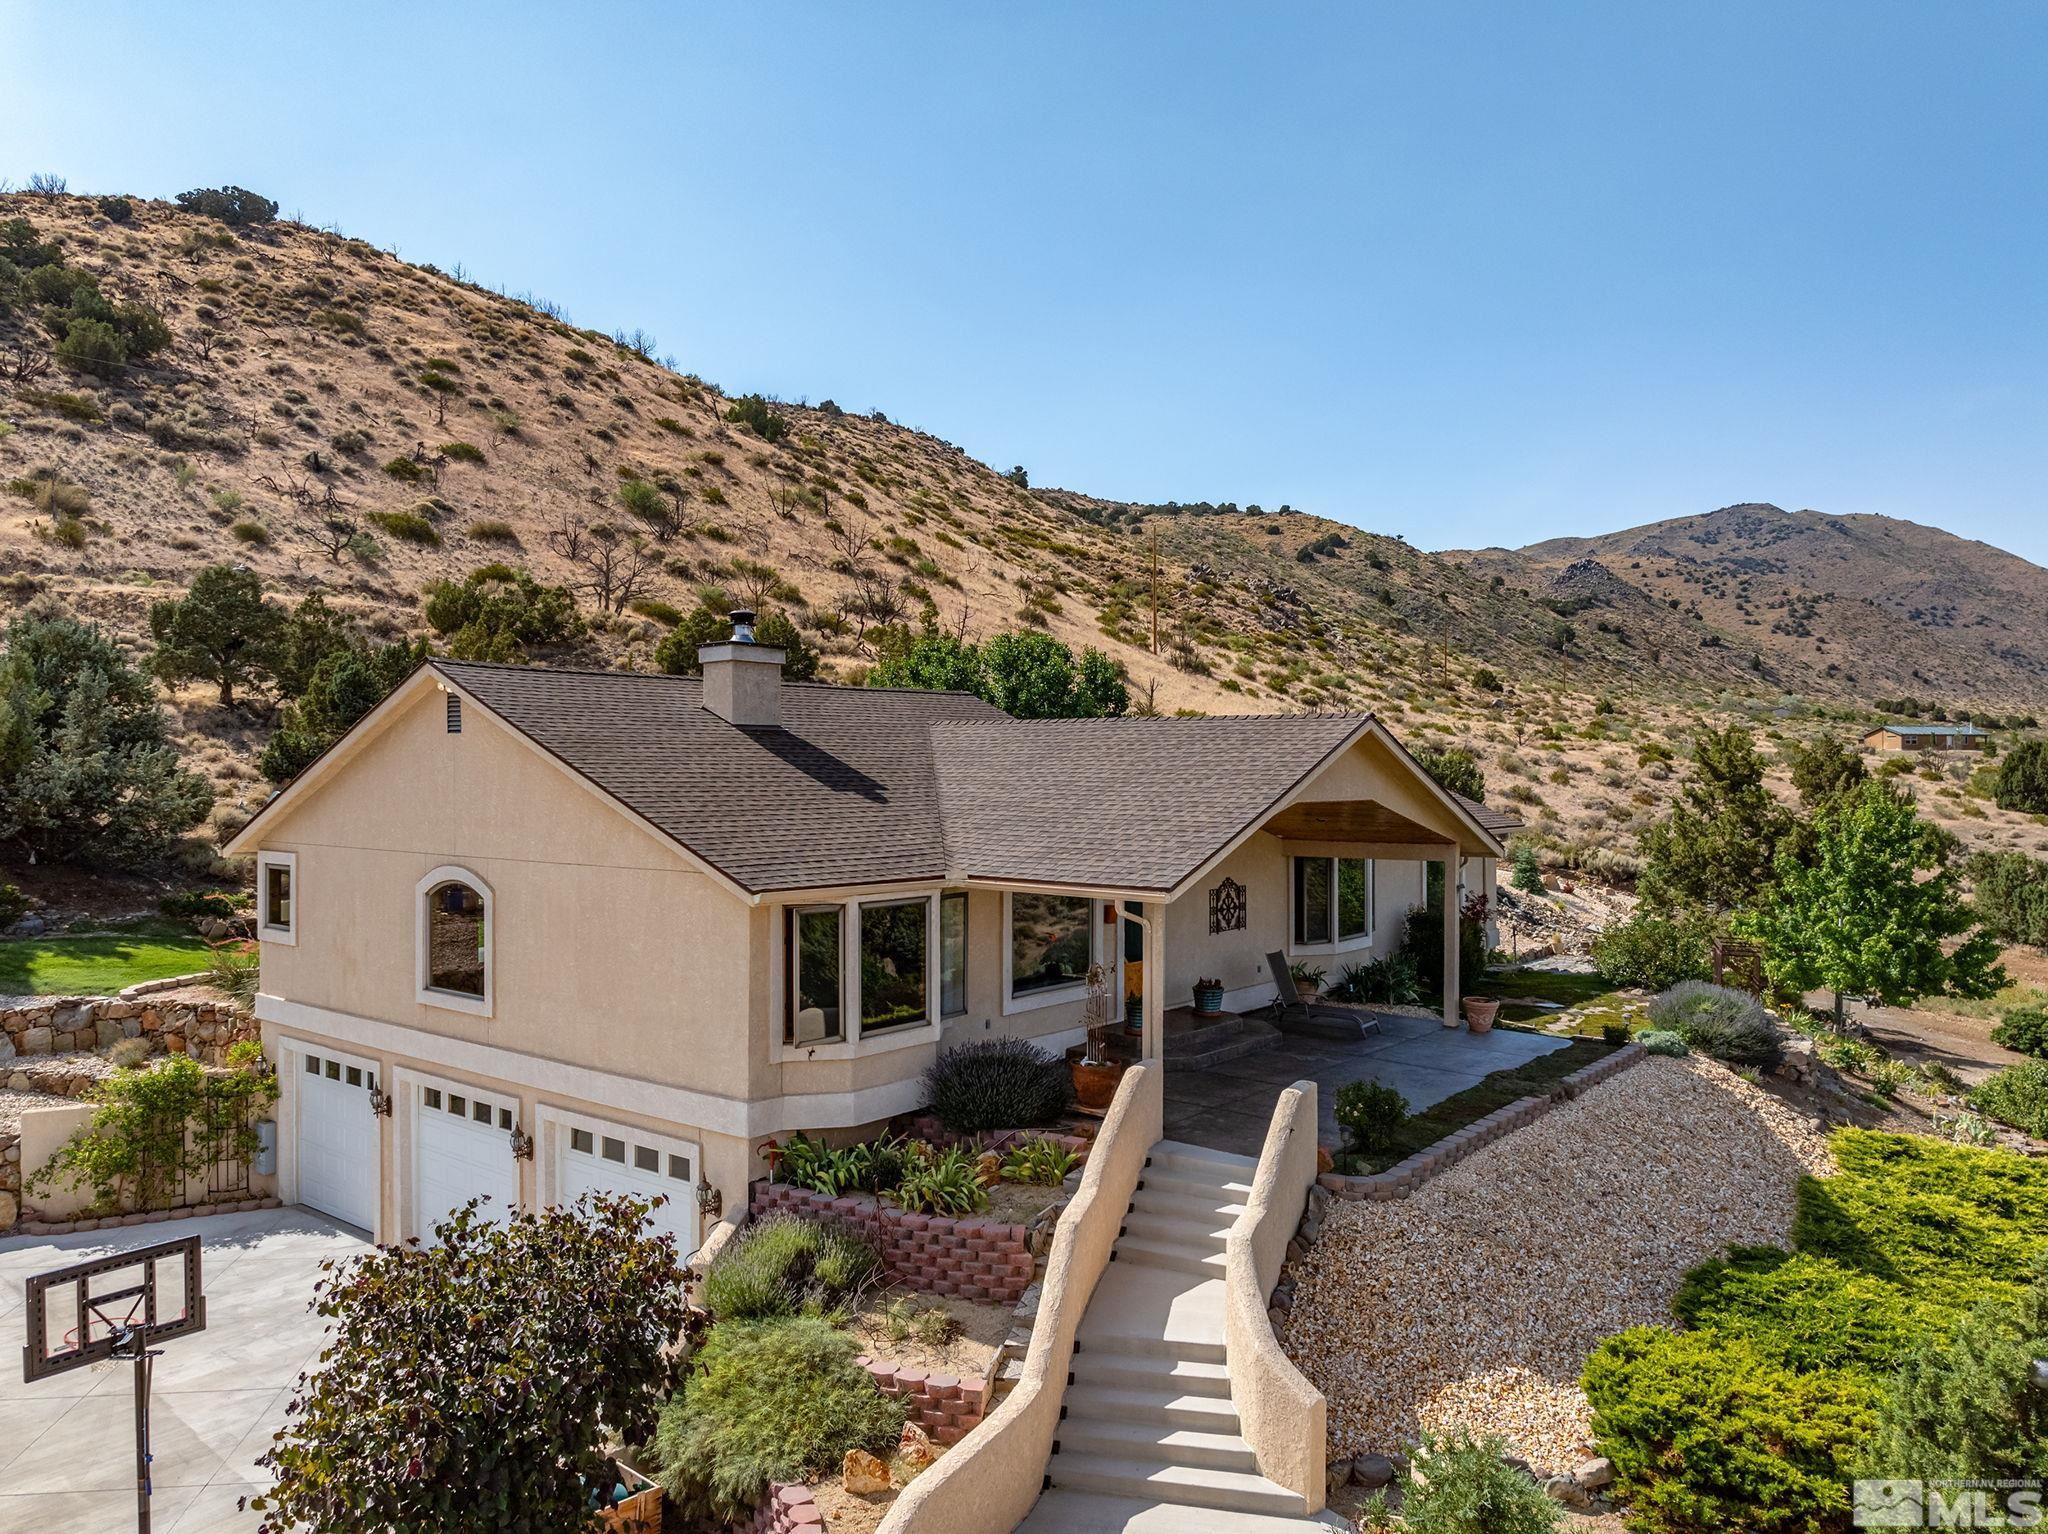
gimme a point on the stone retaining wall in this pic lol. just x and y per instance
(976, 1259)
(788, 1510)
(944, 1406)
(178, 1025)
(153, 1217)
(1400, 1180)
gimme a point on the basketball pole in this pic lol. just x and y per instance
(136, 1338)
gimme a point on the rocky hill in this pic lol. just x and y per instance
(1843, 606)
(349, 424)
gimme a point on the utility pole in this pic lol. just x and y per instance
(1155, 590)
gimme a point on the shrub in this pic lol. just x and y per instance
(92, 346)
(2023, 778)
(232, 205)
(1614, 1032)
(248, 530)
(1371, 1116)
(2024, 1029)
(758, 416)
(872, 1166)
(82, 408)
(13, 904)
(768, 1401)
(462, 452)
(502, 1360)
(491, 530)
(115, 209)
(1466, 1486)
(784, 1265)
(1041, 1163)
(1662, 1041)
(2017, 1096)
(189, 905)
(1729, 1025)
(2010, 895)
(998, 1084)
(1804, 1310)
(405, 470)
(1392, 980)
(1965, 1406)
(659, 611)
(1844, 1053)
(1706, 1433)
(495, 612)
(407, 526)
(1654, 953)
(940, 1182)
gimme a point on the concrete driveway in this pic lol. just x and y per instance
(67, 1444)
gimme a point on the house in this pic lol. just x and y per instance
(1927, 737)
(528, 932)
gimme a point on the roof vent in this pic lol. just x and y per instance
(743, 678)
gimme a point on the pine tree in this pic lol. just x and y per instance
(1717, 849)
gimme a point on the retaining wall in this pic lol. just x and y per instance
(975, 1259)
(944, 1405)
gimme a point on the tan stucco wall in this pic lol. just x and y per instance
(992, 1478)
(607, 948)
(43, 1133)
(1281, 1415)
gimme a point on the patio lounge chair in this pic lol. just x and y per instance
(1293, 1015)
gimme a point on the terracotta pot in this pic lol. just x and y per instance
(1480, 1012)
(1095, 1085)
(1305, 989)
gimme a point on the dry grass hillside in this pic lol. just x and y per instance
(349, 424)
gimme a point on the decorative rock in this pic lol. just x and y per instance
(1594, 1474)
(1563, 1489)
(1373, 1471)
(915, 1449)
(107, 1033)
(864, 1473)
(37, 1041)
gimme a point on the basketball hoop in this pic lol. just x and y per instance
(117, 1307)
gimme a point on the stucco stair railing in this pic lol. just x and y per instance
(1151, 1437)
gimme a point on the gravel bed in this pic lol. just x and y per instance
(12, 1105)
(1475, 1301)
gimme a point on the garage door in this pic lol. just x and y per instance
(338, 1142)
(593, 1156)
(462, 1149)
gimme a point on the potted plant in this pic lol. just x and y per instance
(1307, 978)
(1096, 1073)
(1208, 998)
(1480, 1012)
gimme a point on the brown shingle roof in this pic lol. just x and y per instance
(1497, 821)
(844, 794)
(1118, 803)
(867, 786)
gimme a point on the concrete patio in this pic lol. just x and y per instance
(67, 1456)
(1227, 1106)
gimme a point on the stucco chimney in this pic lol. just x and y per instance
(742, 679)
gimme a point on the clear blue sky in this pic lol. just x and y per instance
(1472, 273)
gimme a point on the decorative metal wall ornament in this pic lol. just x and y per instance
(1226, 907)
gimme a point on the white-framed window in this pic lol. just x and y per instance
(1049, 941)
(953, 953)
(277, 897)
(1333, 902)
(859, 969)
(453, 941)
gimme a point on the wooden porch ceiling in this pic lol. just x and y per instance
(1351, 820)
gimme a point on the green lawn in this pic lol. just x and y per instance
(100, 963)
(1591, 995)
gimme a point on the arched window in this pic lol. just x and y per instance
(455, 940)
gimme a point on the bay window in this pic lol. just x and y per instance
(1051, 942)
(857, 969)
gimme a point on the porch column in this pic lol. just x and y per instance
(1153, 1044)
(1451, 904)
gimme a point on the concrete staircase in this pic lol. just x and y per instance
(1194, 1042)
(1148, 1437)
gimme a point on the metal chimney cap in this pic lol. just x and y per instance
(742, 625)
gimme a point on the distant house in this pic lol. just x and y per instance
(1927, 737)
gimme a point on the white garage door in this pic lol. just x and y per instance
(338, 1142)
(462, 1149)
(593, 1156)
